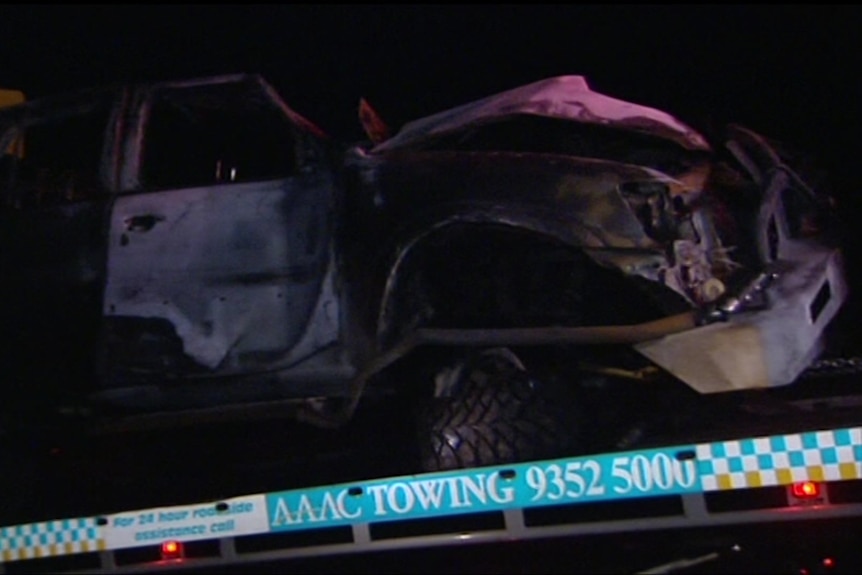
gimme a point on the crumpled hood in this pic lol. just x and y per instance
(562, 97)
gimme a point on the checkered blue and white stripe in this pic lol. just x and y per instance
(780, 460)
(50, 538)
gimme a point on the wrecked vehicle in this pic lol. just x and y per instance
(190, 247)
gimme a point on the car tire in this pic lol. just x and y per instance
(494, 412)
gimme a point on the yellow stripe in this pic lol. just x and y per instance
(815, 473)
(753, 479)
(69, 547)
(724, 481)
(848, 471)
(784, 476)
(101, 545)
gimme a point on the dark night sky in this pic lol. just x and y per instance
(785, 68)
(791, 72)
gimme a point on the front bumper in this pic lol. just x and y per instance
(766, 348)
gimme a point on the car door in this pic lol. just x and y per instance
(220, 247)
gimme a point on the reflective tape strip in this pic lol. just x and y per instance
(832, 455)
(50, 539)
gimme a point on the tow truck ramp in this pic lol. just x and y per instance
(790, 477)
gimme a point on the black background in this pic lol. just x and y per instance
(791, 72)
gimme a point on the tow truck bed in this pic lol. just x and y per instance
(694, 485)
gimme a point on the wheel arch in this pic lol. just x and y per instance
(457, 243)
(403, 263)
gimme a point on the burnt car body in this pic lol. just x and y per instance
(199, 245)
(644, 196)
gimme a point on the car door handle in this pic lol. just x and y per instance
(142, 223)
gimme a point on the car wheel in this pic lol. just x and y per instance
(490, 411)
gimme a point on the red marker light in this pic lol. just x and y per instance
(806, 490)
(172, 550)
(828, 562)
